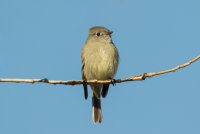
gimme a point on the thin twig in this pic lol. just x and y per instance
(78, 82)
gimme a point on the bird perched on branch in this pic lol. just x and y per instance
(99, 61)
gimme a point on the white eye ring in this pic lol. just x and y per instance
(98, 34)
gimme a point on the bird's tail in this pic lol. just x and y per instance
(96, 109)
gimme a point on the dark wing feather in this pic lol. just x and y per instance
(84, 79)
(104, 91)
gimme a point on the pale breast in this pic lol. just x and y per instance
(101, 61)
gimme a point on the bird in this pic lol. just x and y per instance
(100, 61)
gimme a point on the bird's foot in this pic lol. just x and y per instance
(45, 80)
(113, 82)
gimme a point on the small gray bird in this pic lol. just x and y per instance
(99, 61)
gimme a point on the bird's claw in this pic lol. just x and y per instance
(44, 80)
(113, 82)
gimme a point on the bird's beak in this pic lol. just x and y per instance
(110, 32)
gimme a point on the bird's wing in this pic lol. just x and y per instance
(83, 78)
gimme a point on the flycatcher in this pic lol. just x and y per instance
(99, 61)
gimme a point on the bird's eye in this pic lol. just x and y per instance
(98, 34)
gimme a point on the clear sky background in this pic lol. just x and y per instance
(43, 39)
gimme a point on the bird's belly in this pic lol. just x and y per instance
(101, 63)
(101, 69)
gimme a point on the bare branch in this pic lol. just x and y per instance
(78, 82)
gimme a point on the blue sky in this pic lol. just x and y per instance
(43, 39)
